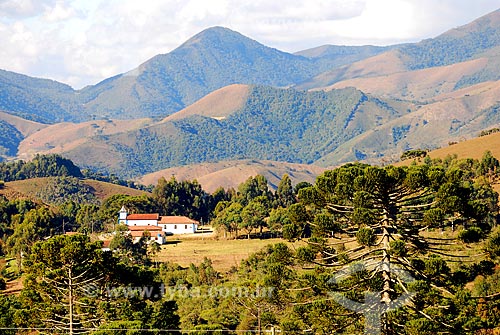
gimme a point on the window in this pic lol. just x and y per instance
(186, 226)
(175, 226)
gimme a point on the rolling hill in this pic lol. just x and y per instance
(46, 190)
(272, 124)
(230, 174)
(472, 148)
(452, 117)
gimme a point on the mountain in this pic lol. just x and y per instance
(269, 124)
(224, 97)
(36, 99)
(452, 117)
(13, 130)
(214, 58)
(479, 39)
(333, 56)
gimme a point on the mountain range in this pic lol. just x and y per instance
(221, 96)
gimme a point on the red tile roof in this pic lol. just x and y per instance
(154, 216)
(176, 220)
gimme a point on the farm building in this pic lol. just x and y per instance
(168, 224)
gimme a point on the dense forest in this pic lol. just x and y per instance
(424, 238)
(275, 124)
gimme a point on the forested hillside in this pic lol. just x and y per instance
(274, 124)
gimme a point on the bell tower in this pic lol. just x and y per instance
(122, 215)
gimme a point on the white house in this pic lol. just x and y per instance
(178, 224)
(169, 224)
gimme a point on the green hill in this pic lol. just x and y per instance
(273, 124)
(35, 99)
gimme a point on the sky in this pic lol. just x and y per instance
(81, 42)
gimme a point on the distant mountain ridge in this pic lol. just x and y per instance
(214, 58)
(222, 96)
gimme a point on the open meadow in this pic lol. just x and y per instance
(223, 253)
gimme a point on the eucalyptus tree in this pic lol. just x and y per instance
(381, 218)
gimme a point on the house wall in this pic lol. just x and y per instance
(179, 228)
(141, 222)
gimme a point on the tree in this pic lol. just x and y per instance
(88, 219)
(8, 307)
(298, 225)
(186, 198)
(29, 228)
(253, 215)
(278, 218)
(386, 210)
(153, 249)
(285, 195)
(229, 218)
(252, 188)
(488, 166)
(61, 270)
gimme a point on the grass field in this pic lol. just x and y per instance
(223, 253)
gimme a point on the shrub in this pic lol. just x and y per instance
(413, 154)
(471, 235)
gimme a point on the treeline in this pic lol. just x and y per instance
(488, 132)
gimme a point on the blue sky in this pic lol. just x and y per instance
(80, 42)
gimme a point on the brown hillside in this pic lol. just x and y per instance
(230, 174)
(103, 190)
(383, 64)
(63, 137)
(218, 104)
(473, 148)
(456, 117)
(415, 85)
(25, 127)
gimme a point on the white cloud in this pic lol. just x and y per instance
(60, 12)
(84, 41)
(23, 8)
